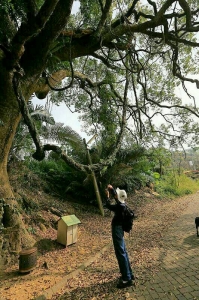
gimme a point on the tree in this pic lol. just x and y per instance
(117, 53)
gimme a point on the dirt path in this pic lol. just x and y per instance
(146, 247)
(97, 279)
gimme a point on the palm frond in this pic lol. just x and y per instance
(43, 115)
(64, 134)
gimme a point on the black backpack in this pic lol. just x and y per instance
(128, 216)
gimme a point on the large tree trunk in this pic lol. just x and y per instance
(13, 235)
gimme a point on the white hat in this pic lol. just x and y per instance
(121, 195)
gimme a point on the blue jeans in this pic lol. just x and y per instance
(121, 253)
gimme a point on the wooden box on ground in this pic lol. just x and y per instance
(67, 230)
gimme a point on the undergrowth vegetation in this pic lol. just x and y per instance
(62, 180)
(173, 185)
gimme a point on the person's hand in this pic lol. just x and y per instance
(110, 186)
(107, 193)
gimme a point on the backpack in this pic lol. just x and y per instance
(128, 216)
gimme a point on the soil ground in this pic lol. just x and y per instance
(97, 279)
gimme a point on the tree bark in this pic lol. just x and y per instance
(13, 235)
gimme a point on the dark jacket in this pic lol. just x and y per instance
(118, 210)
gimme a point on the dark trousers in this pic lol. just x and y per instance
(121, 253)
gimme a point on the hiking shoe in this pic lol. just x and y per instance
(132, 277)
(123, 284)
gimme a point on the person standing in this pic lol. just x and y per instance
(118, 208)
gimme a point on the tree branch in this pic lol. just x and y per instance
(105, 61)
(186, 8)
(154, 6)
(104, 17)
(126, 15)
(39, 45)
(194, 112)
(31, 9)
(42, 88)
(27, 118)
(30, 28)
(40, 150)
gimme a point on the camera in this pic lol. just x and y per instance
(111, 191)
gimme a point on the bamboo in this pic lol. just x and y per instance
(97, 193)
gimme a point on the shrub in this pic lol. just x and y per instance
(174, 185)
(57, 174)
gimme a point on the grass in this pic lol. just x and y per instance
(175, 185)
